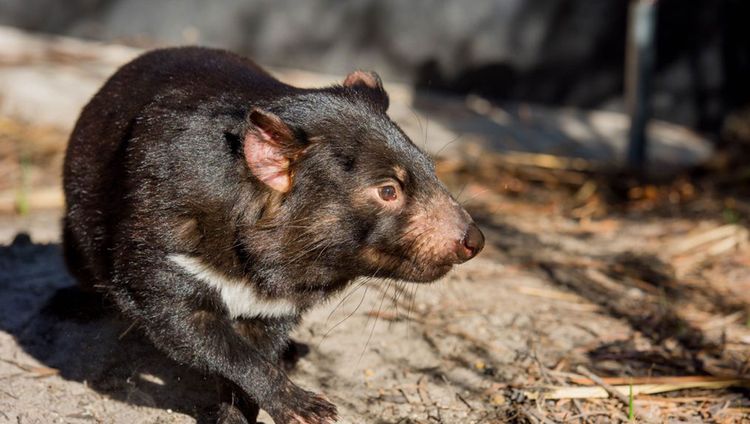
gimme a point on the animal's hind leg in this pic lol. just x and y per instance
(234, 406)
(292, 353)
(74, 259)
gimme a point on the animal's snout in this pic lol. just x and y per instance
(450, 236)
(471, 243)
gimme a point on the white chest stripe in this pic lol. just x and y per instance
(239, 296)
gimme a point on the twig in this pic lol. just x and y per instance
(627, 401)
(38, 371)
(589, 392)
(716, 234)
(424, 395)
(534, 415)
(461, 398)
(10, 395)
(615, 381)
(611, 390)
(550, 294)
(127, 330)
(547, 161)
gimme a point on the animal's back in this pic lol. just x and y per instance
(93, 173)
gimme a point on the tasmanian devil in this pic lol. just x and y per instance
(214, 205)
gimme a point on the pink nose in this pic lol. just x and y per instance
(471, 244)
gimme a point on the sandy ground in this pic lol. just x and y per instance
(474, 347)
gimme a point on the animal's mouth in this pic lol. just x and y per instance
(428, 276)
(406, 268)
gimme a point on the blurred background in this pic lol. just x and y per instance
(603, 146)
(565, 52)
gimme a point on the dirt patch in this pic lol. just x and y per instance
(627, 295)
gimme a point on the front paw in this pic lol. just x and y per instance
(302, 407)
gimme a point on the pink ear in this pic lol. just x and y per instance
(267, 150)
(370, 83)
(367, 79)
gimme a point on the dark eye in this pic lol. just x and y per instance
(387, 193)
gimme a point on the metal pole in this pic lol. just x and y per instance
(639, 64)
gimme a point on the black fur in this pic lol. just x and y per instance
(155, 166)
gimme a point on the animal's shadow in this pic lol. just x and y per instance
(81, 335)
